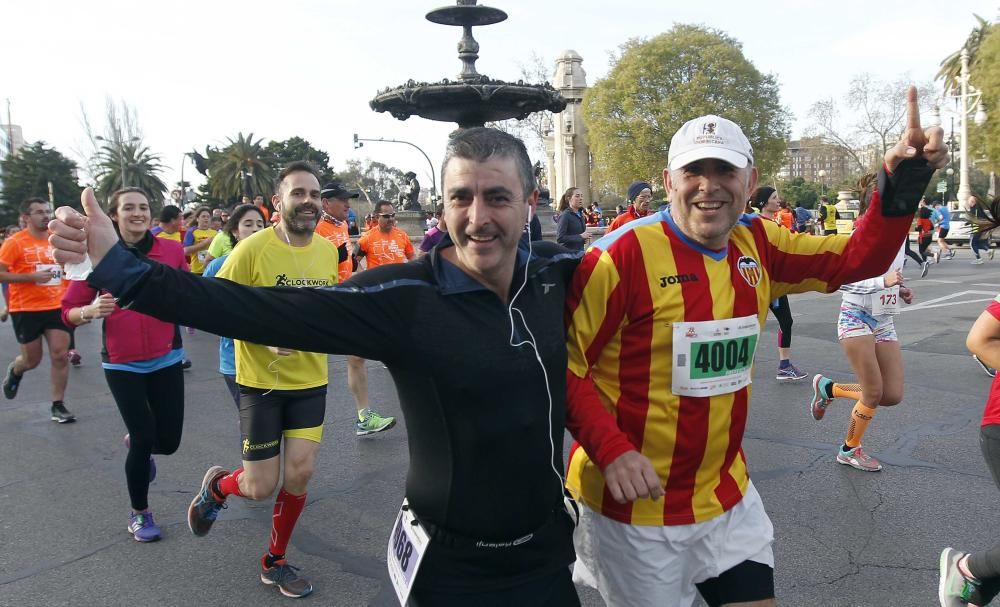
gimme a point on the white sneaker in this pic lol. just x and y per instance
(923, 269)
(937, 256)
(977, 261)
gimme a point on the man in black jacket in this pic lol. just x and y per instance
(484, 402)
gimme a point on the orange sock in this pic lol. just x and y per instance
(851, 391)
(861, 416)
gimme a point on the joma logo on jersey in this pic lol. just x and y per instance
(677, 279)
(749, 269)
(282, 280)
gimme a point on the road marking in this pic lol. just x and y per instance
(985, 284)
(944, 282)
(942, 302)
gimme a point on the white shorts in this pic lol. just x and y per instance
(643, 565)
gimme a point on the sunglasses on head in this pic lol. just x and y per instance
(387, 215)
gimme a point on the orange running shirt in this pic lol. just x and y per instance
(646, 288)
(23, 254)
(337, 234)
(380, 248)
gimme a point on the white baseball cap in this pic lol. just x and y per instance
(709, 137)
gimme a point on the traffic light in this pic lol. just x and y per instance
(357, 143)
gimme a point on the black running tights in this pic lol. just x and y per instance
(986, 565)
(925, 241)
(911, 253)
(152, 406)
(783, 314)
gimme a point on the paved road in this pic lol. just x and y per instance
(844, 538)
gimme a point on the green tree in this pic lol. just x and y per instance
(655, 85)
(376, 181)
(141, 168)
(951, 66)
(238, 169)
(29, 172)
(984, 140)
(278, 154)
(799, 191)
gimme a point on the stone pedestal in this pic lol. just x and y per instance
(411, 222)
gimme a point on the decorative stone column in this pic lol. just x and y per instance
(570, 156)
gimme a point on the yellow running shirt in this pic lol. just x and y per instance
(264, 260)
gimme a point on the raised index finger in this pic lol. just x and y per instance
(912, 108)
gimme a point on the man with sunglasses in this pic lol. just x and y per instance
(387, 243)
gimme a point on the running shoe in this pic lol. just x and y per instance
(284, 577)
(992, 251)
(820, 401)
(370, 422)
(951, 254)
(989, 370)
(937, 256)
(11, 382)
(152, 464)
(977, 261)
(142, 527)
(924, 267)
(954, 589)
(205, 507)
(74, 358)
(186, 364)
(857, 458)
(4, 313)
(789, 373)
(61, 415)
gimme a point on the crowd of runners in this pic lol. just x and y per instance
(640, 343)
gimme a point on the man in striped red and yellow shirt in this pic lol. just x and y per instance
(663, 319)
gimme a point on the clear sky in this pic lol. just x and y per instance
(200, 71)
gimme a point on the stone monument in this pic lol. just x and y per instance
(566, 147)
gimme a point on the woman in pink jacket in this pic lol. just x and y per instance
(142, 360)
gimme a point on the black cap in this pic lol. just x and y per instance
(336, 189)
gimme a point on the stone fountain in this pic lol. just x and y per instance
(473, 99)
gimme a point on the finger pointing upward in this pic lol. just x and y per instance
(912, 109)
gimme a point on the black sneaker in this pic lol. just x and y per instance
(62, 415)
(284, 576)
(186, 364)
(11, 382)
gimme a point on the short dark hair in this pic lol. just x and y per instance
(297, 166)
(26, 205)
(169, 213)
(824, 199)
(479, 144)
(380, 204)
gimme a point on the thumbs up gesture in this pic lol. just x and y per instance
(73, 235)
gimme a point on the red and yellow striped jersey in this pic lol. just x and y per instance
(631, 289)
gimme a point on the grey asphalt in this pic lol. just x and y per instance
(843, 537)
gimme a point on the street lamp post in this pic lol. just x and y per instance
(968, 102)
(822, 182)
(358, 144)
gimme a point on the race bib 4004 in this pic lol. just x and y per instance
(713, 357)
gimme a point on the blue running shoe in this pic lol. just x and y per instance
(789, 374)
(142, 527)
(205, 507)
(820, 400)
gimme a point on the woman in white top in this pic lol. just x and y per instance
(867, 335)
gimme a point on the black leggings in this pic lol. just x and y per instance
(912, 255)
(925, 241)
(986, 565)
(152, 407)
(783, 313)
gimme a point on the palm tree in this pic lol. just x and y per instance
(129, 164)
(239, 168)
(951, 67)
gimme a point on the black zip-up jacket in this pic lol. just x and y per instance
(476, 407)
